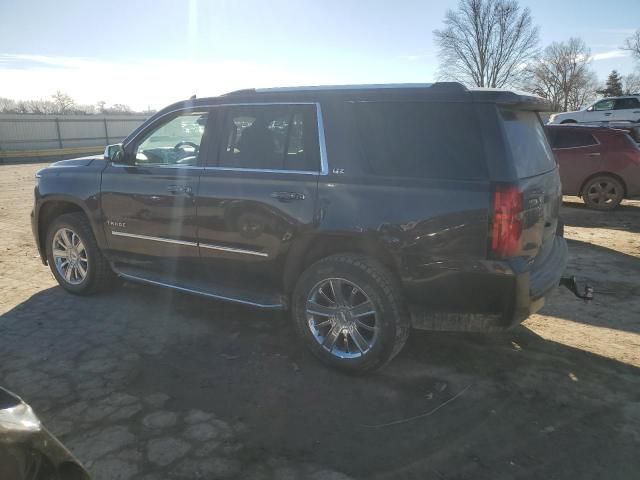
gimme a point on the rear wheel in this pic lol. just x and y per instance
(603, 193)
(74, 257)
(348, 309)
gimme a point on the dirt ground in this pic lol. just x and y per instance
(148, 383)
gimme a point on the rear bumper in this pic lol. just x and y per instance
(533, 285)
(496, 298)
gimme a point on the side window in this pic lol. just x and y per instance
(572, 139)
(420, 140)
(604, 105)
(271, 137)
(627, 103)
(175, 143)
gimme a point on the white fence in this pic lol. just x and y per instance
(23, 133)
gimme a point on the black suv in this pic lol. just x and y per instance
(365, 210)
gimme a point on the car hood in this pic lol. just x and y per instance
(77, 162)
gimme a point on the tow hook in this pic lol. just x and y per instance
(572, 284)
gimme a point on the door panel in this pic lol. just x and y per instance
(246, 226)
(576, 164)
(259, 195)
(150, 212)
(627, 109)
(149, 201)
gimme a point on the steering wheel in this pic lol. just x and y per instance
(179, 145)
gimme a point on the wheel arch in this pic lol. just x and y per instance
(603, 174)
(51, 209)
(306, 252)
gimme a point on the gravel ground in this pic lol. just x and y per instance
(148, 383)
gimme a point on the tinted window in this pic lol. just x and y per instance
(569, 138)
(428, 140)
(528, 143)
(627, 103)
(604, 105)
(272, 137)
(176, 142)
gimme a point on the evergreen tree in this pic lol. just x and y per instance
(613, 86)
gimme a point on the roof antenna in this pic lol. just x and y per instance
(193, 97)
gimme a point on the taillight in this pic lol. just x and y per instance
(506, 233)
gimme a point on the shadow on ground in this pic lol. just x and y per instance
(626, 217)
(491, 406)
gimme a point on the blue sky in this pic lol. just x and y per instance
(150, 53)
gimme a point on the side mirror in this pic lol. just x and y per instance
(590, 109)
(114, 153)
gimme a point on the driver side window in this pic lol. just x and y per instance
(175, 143)
(604, 105)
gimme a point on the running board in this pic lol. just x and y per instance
(226, 294)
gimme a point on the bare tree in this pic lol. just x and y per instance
(631, 83)
(100, 106)
(7, 105)
(120, 108)
(583, 91)
(632, 44)
(40, 106)
(485, 43)
(561, 74)
(64, 103)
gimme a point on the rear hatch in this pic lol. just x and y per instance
(525, 209)
(538, 180)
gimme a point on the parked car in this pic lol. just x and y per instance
(27, 450)
(364, 210)
(613, 109)
(599, 164)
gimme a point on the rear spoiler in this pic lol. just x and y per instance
(511, 99)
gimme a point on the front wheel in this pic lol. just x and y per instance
(349, 311)
(603, 193)
(74, 257)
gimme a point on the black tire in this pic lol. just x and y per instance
(99, 276)
(613, 188)
(382, 289)
(567, 121)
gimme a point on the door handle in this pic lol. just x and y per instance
(287, 196)
(180, 189)
(607, 114)
(594, 154)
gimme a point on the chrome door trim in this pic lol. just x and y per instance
(263, 170)
(324, 165)
(190, 244)
(233, 250)
(154, 239)
(157, 165)
(197, 292)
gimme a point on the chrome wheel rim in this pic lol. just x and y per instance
(342, 318)
(602, 193)
(70, 256)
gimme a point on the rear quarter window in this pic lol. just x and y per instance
(527, 142)
(420, 140)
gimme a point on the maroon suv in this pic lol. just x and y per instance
(600, 164)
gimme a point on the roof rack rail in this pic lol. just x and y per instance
(379, 86)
